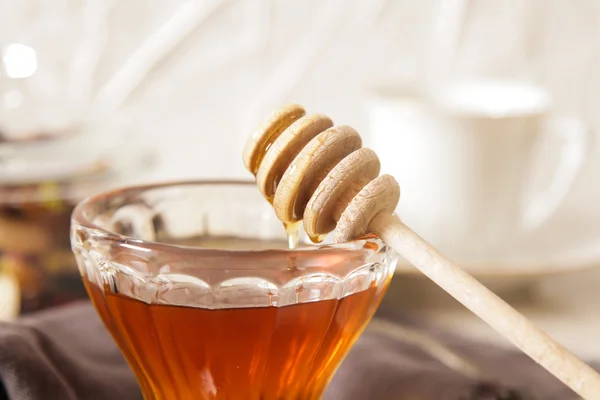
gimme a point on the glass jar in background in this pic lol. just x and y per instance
(41, 180)
(34, 252)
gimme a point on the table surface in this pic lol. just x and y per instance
(567, 307)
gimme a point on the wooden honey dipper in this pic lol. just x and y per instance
(313, 171)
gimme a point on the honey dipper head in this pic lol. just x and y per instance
(314, 171)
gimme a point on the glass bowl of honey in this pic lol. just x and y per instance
(198, 286)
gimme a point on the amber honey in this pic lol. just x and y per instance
(261, 353)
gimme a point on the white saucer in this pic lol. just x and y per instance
(569, 245)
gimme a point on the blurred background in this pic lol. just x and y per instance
(485, 112)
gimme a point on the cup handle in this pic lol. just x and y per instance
(575, 137)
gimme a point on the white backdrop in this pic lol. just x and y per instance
(248, 56)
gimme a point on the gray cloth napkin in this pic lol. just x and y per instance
(63, 354)
(66, 354)
(403, 358)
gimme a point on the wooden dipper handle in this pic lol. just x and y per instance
(316, 172)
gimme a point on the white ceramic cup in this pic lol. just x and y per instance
(464, 159)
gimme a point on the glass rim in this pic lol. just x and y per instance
(80, 218)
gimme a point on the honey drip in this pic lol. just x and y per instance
(317, 238)
(292, 233)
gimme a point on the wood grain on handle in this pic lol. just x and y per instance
(577, 375)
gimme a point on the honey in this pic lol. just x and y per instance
(255, 353)
(292, 231)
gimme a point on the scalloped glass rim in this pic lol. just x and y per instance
(81, 218)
